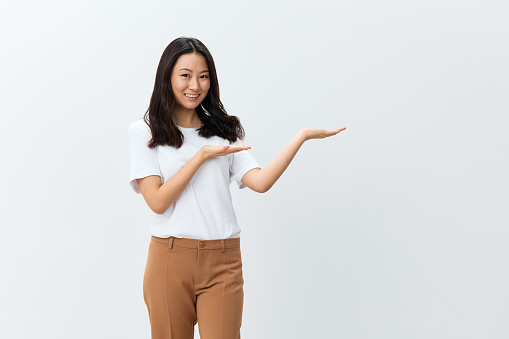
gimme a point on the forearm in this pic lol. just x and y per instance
(268, 176)
(168, 193)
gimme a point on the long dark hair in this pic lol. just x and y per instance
(162, 103)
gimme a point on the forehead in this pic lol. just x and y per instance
(191, 61)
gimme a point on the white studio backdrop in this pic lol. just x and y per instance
(395, 228)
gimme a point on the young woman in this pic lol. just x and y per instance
(183, 155)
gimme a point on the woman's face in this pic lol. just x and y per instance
(190, 80)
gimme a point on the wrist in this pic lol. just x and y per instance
(302, 135)
(202, 155)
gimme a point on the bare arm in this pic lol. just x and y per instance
(261, 180)
(159, 197)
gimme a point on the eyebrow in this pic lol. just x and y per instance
(187, 69)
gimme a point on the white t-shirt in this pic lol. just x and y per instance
(204, 209)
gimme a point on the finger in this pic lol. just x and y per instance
(331, 133)
(241, 147)
(336, 131)
(235, 150)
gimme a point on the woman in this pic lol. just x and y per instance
(182, 158)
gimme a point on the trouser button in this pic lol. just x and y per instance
(202, 244)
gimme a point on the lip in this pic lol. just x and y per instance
(190, 98)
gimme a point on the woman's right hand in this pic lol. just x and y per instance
(209, 152)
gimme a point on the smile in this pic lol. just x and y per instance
(191, 95)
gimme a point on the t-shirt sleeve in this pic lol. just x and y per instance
(240, 163)
(142, 159)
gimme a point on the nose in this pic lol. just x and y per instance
(194, 84)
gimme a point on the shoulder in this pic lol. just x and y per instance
(139, 124)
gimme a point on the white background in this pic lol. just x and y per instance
(394, 228)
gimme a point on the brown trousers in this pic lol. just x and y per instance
(189, 281)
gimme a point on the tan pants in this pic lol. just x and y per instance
(189, 281)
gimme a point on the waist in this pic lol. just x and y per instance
(199, 243)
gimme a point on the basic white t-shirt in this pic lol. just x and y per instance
(204, 209)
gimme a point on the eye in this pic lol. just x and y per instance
(204, 76)
(184, 75)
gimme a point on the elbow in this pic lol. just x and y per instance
(256, 182)
(158, 209)
(258, 189)
(263, 189)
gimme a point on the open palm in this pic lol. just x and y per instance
(319, 133)
(222, 150)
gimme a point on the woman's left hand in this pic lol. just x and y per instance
(318, 133)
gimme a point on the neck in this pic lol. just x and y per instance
(187, 118)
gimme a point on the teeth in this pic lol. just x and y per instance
(191, 96)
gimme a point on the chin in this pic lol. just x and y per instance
(193, 106)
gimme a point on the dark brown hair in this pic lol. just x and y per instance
(216, 122)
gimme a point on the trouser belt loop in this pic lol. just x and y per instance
(222, 245)
(170, 243)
